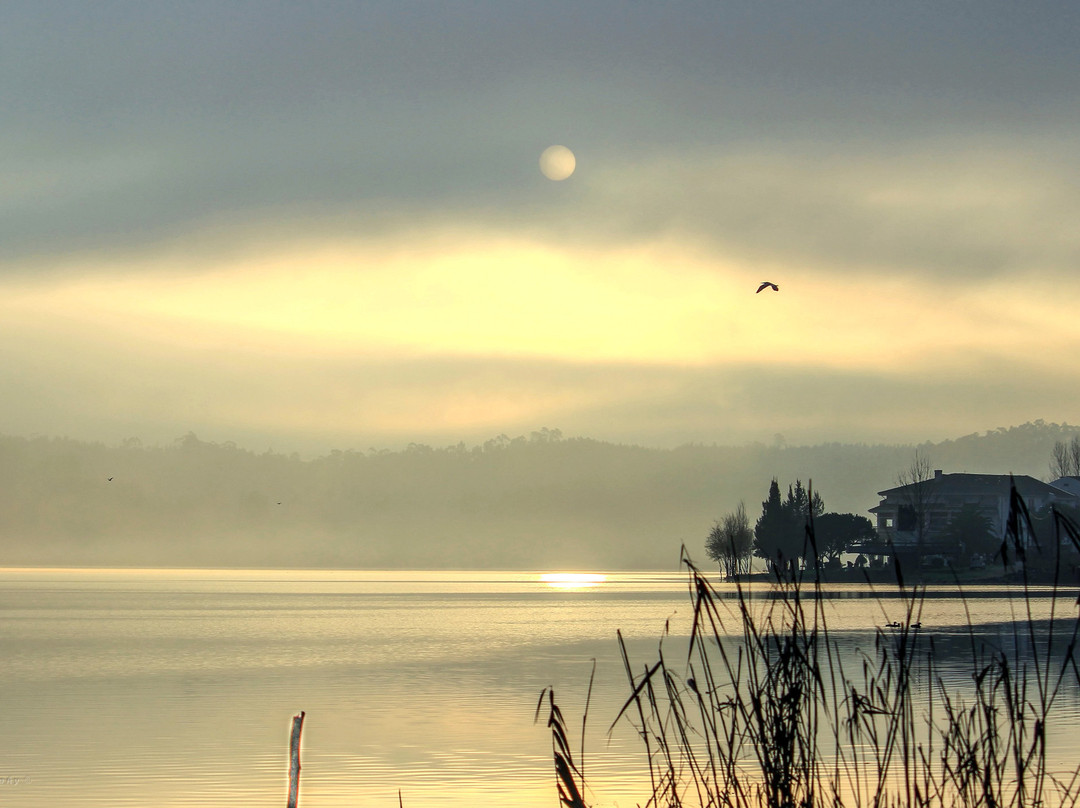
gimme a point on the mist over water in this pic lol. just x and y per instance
(538, 502)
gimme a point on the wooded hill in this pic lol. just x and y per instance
(541, 501)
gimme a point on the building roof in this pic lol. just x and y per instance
(982, 484)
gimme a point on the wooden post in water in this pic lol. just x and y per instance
(294, 759)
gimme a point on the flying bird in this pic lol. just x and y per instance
(767, 285)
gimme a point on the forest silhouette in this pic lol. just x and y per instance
(541, 501)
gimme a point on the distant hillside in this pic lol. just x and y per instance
(538, 502)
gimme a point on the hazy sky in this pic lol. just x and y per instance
(323, 225)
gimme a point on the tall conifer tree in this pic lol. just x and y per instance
(777, 535)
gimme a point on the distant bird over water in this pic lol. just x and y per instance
(767, 285)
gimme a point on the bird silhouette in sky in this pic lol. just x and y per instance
(767, 285)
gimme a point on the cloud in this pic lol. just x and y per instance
(324, 223)
(954, 211)
(464, 335)
(131, 125)
(112, 383)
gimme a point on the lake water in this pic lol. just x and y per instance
(162, 688)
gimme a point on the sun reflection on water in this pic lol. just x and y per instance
(572, 580)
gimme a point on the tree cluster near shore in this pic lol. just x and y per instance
(781, 534)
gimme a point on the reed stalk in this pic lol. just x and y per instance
(771, 714)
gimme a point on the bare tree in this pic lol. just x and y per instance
(1065, 459)
(917, 497)
(731, 543)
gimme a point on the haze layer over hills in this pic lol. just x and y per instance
(540, 501)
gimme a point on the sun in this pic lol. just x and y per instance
(557, 162)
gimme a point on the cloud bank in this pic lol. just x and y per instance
(323, 225)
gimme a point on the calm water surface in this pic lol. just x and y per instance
(163, 688)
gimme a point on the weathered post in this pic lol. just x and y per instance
(294, 759)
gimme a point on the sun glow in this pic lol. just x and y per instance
(572, 580)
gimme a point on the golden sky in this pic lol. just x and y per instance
(348, 241)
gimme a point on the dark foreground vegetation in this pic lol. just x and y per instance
(773, 718)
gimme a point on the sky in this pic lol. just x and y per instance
(317, 226)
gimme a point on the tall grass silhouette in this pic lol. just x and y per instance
(772, 713)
